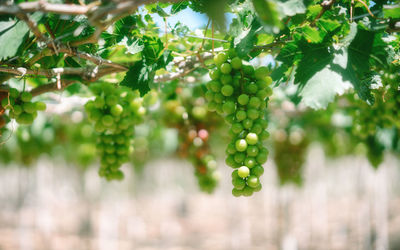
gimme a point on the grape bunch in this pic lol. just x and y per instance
(114, 111)
(20, 106)
(290, 153)
(194, 123)
(240, 93)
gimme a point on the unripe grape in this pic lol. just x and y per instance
(107, 120)
(251, 88)
(17, 110)
(26, 96)
(243, 171)
(236, 192)
(215, 74)
(239, 157)
(29, 107)
(247, 123)
(261, 73)
(254, 102)
(257, 171)
(14, 93)
(111, 100)
(116, 110)
(41, 106)
(243, 99)
(251, 138)
(250, 162)
(253, 114)
(238, 183)
(226, 68)
(241, 145)
(227, 90)
(253, 181)
(25, 118)
(226, 79)
(237, 128)
(241, 115)
(229, 107)
(99, 102)
(215, 86)
(247, 191)
(252, 151)
(236, 63)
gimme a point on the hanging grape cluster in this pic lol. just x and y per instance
(290, 152)
(240, 93)
(20, 106)
(191, 118)
(115, 111)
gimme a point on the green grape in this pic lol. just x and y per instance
(238, 183)
(29, 107)
(116, 110)
(25, 118)
(229, 107)
(236, 192)
(41, 106)
(99, 102)
(17, 109)
(239, 157)
(243, 99)
(226, 68)
(241, 115)
(227, 90)
(236, 63)
(257, 171)
(14, 93)
(226, 79)
(26, 96)
(247, 123)
(253, 181)
(241, 145)
(111, 100)
(243, 172)
(252, 151)
(237, 128)
(251, 138)
(261, 73)
(215, 74)
(254, 102)
(249, 162)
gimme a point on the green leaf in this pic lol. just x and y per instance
(312, 35)
(161, 12)
(245, 42)
(137, 78)
(313, 11)
(177, 7)
(288, 53)
(322, 88)
(391, 11)
(328, 25)
(12, 36)
(267, 12)
(132, 46)
(314, 59)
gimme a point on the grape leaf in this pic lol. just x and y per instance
(245, 41)
(179, 6)
(15, 31)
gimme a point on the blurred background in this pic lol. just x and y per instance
(343, 204)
